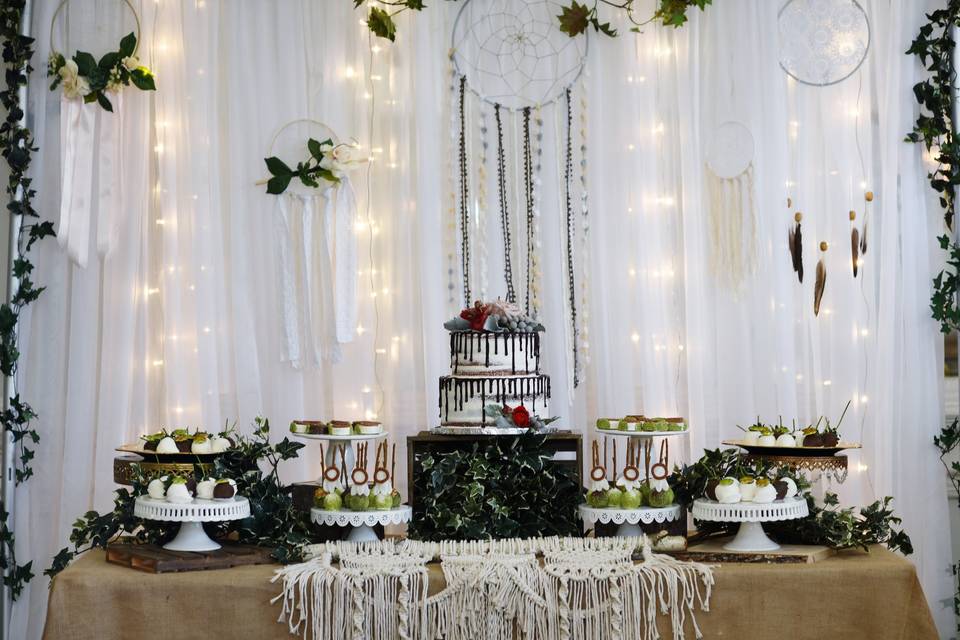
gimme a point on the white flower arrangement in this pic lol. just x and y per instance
(83, 77)
(328, 163)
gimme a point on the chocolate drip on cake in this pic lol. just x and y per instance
(472, 343)
(499, 390)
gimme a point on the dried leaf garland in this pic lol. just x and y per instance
(821, 281)
(795, 242)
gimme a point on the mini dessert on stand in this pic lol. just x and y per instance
(638, 506)
(641, 426)
(182, 499)
(172, 453)
(812, 448)
(341, 435)
(352, 500)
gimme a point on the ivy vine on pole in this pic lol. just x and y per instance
(935, 129)
(16, 148)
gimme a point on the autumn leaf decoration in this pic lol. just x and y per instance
(795, 241)
(821, 280)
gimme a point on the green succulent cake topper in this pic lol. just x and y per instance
(82, 76)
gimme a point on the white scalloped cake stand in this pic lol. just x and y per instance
(750, 536)
(362, 522)
(191, 536)
(616, 433)
(630, 519)
(330, 455)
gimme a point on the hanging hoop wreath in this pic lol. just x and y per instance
(823, 42)
(512, 53)
(84, 77)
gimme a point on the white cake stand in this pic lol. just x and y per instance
(750, 536)
(191, 536)
(630, 519)
(362, 522)
(330, 455)
(645, 435)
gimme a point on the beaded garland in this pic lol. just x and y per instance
(504, 210)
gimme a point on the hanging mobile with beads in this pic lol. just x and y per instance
(464, 196)
(528, 200)
(584, 235)
(482, 177)
(450, 221)
(504, 208)
(570, 232)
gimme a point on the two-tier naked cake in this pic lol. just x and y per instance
(494, 359)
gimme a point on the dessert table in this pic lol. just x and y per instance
(850, 595)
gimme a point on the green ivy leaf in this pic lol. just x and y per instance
(109, 61)
(86, 63)
(143, 79)
(278, 184)
(128, 45)
(381, 24)
(575, 18)
(278, 167)
(104, 102)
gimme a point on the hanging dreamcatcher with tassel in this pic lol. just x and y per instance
(510, 61)
(732, 213)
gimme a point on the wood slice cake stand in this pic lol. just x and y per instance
(751, 536)
(362, 522)
(191, 536)
(630, 519)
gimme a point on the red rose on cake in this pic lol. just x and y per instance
(521, 417)
(476, 316)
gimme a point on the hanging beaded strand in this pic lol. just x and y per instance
(528, 193)
(464, 198)
(504, 213)
(450, 224)
(568, 209)
(584, 233)
(481, 225)
(537, 183)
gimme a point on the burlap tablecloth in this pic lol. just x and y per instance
(852, 595)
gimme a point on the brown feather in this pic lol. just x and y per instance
(819, 286)
(863, 239)
(795, 242)
(855, 250)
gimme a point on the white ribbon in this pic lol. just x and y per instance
(341, 211)
(89, 137)
(288, 293)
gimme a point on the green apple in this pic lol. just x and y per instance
(332, 502)
(381, 502)
(661, 499)
(632, 499)
(597, 499)
(614, 497)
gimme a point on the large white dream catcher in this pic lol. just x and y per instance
(314, 219)
(732, 214)
(512, 68)
(823, 42)
(92, 124)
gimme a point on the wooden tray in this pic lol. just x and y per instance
(711, 550)
(154, 559)
(180, 456)
(756, 449)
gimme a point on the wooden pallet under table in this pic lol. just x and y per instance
(155, 559)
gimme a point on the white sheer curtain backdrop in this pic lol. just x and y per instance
(181, 324)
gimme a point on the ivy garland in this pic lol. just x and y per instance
(509, 487)
(575, 18)
(17, 147)
(934, 128)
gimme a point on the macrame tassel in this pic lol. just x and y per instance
(733, 227)
(795, 242)
(821, 281)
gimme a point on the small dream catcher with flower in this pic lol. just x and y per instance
(95, 138)
(83, 76)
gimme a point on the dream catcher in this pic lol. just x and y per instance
(512, 70)
(732, 214)
(316, 252)
(823, 42)
(95, 124)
